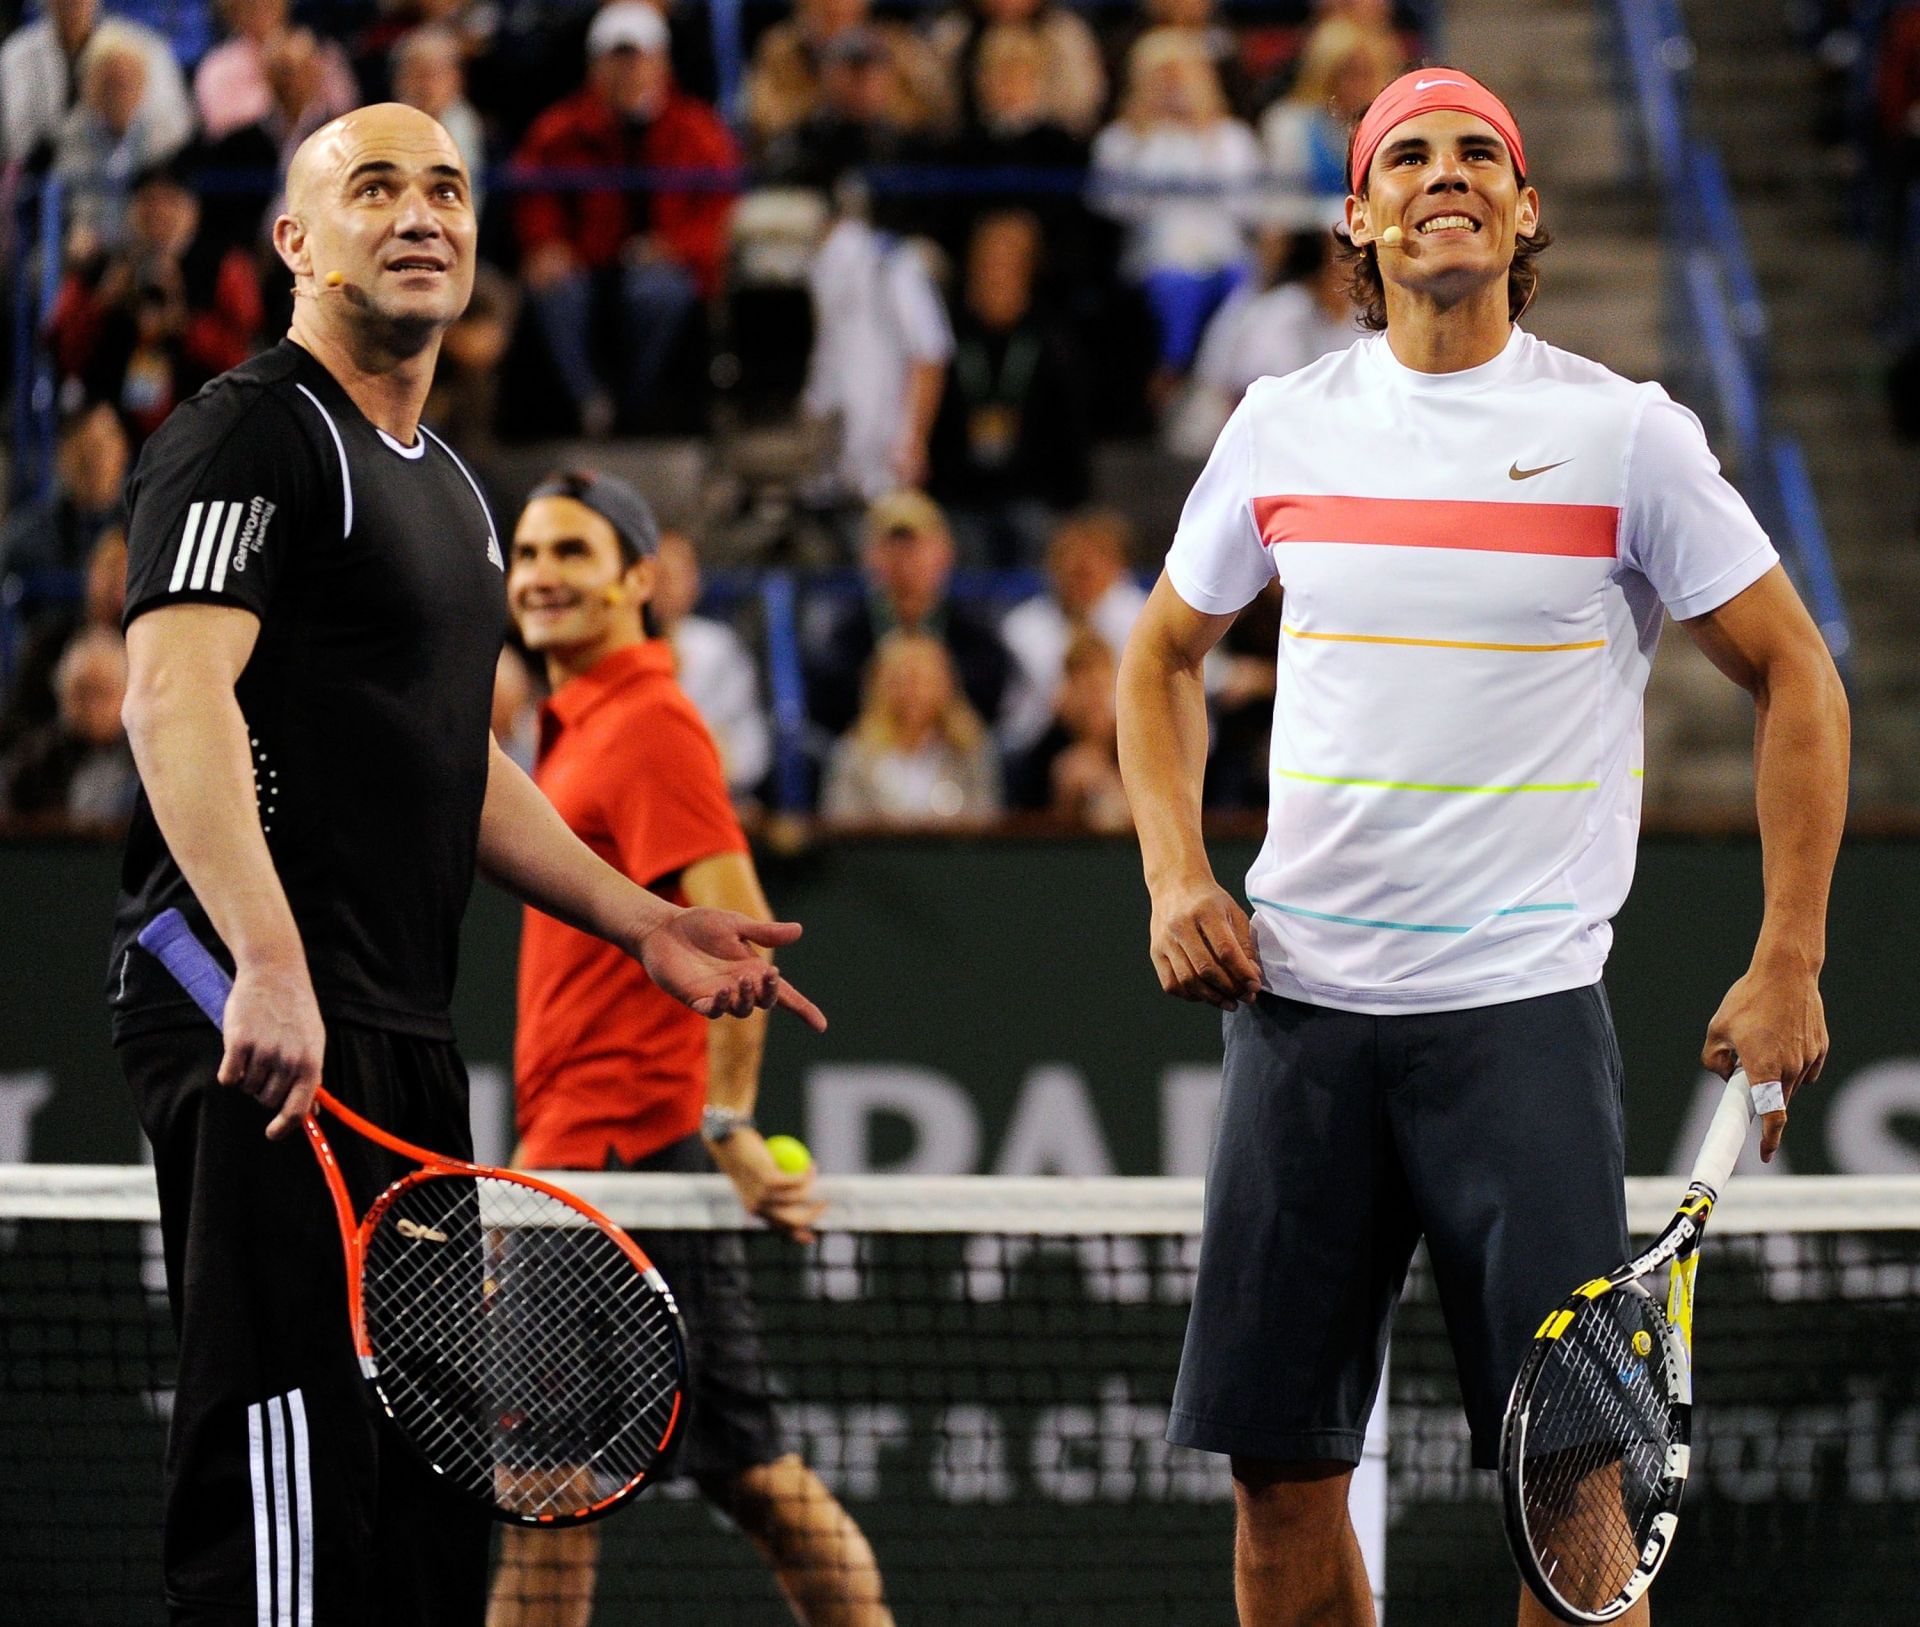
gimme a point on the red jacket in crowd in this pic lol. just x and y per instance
(583, 132)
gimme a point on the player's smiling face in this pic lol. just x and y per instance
(566, 584)
(1447, 180)
(387, 206)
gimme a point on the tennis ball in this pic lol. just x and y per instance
(790, 1154)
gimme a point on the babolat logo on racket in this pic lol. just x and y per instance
(417, 1232)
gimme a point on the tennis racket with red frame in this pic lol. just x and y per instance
(520, 1342)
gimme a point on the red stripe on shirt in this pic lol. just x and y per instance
(1571, 530)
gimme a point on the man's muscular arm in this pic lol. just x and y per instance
(190, 742)
(1202, 943)
(708, 959)
(1772, 1018)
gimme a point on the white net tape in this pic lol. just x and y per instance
(1039, 1205)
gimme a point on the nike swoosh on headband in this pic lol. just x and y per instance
(1428, 84)
(1515, 472)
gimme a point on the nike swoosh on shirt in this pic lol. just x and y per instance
(1428, 84)
(1515, 472)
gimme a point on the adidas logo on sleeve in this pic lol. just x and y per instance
(219, 537)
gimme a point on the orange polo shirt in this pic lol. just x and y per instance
(604, 1062)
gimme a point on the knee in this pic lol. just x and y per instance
(1289, 1502)
(768, 1497)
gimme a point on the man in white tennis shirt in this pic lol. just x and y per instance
(1475, 534)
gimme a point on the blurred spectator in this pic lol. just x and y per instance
(1075, 77)
(466, 383)
(855, 121)
(116, 129)
(232, 87)
(89, 470)
(255, 156)
(1073, 769)
(909, 566)
(516, 714)
(649, 253)
(881, 343)
(918, 753)
(1343, 66)
(150, 324)
(429, 72)
(1296, 311)
(375, 49)
(30, 702)
(714, 667)
(40, 80)
(1092, 590)
(1011, 446)
(1187, 245)
(79, 765)
(784, 85)
(1200, 18)
(1013, 128)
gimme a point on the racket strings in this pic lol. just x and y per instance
(518, 1346)
(1600, 1421)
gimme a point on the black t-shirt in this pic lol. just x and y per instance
(375, 571)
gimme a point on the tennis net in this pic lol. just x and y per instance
(980, 1370)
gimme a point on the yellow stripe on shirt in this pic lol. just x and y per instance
(1442, 643)
(1415, 785)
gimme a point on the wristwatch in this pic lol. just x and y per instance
(718, 1123)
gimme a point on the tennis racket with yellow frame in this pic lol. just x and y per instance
(1596, 1443)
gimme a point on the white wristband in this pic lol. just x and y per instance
(1768, 1097)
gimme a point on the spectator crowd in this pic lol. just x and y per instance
(941, 255)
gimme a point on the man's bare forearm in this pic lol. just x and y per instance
(1163, 759)
(526, 848)
(190, 744)
(728, 881)
(1801, 746)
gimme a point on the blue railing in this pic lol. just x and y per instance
(1717, 350)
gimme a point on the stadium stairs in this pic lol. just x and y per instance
(1826, 292)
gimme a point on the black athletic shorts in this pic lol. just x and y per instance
(1497, 1133)
(729, 1426)
(286, 1501)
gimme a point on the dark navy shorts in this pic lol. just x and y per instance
(1498, 1134)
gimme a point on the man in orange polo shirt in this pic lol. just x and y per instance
(612, 1074)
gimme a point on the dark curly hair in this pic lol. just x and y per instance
(1369, 293)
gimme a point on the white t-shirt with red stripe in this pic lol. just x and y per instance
(1474, 566)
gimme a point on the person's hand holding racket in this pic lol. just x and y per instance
(1773, 1023)
(710, 961)
(1202, 944)
(521, 1343)
(276, 1041)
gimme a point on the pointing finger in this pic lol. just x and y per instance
(790, 997)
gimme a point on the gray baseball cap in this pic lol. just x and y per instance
(613, 500)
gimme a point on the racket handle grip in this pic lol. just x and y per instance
(169, 939)
(1726, 1135)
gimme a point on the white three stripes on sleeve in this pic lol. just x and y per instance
(282, 1492)
(197, 546)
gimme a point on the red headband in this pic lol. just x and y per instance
(1431, 90)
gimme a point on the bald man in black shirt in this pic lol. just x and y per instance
(314, 609)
